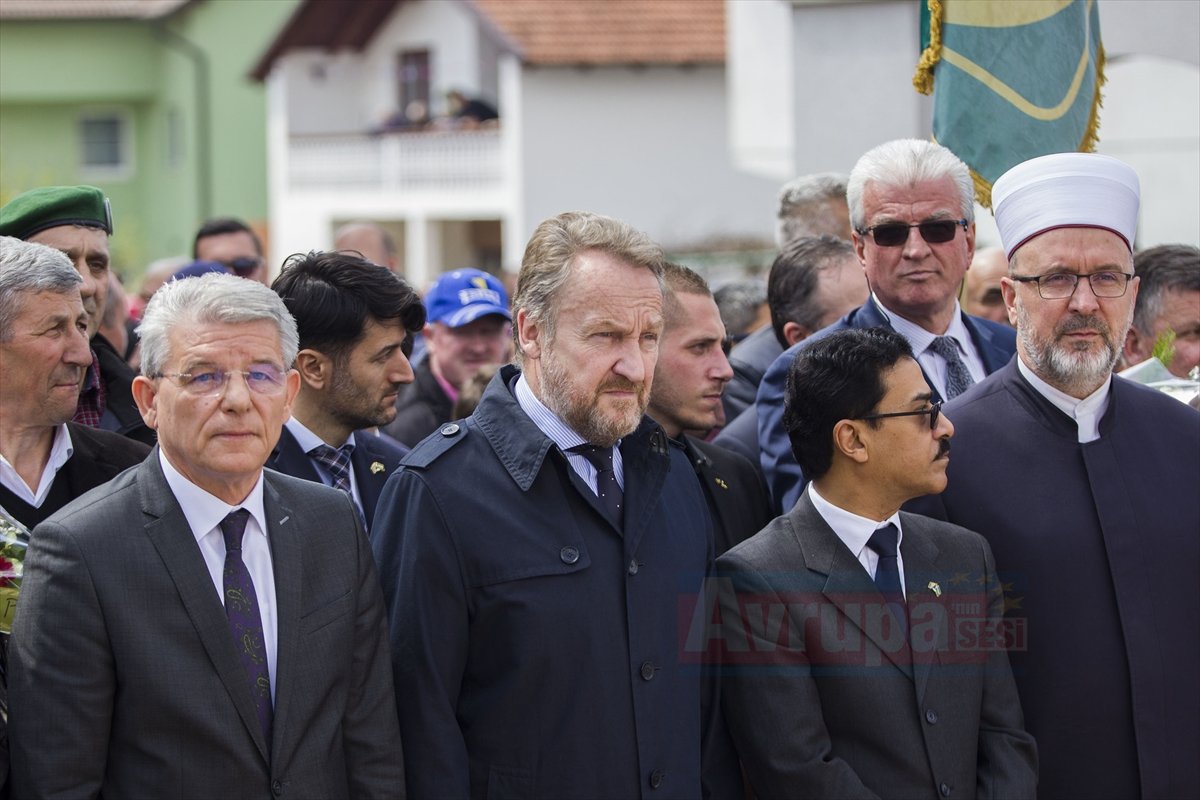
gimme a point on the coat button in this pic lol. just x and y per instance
(657, 777)
(945, 789)
(633, 566)
(931, 717)
(277, 788)
(647, 670)
(450, 430)
(569, 555)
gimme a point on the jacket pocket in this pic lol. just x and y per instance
(332, 611)
(509, 783)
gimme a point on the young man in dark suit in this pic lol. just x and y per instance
(685, 398)
(356, 323)
(863, 647)
(200, 626)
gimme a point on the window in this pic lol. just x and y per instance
(412, 78)
(105, 147)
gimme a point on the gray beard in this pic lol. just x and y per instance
(1076, 372)
(583, 417)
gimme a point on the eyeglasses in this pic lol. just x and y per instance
(243, 266)
(894, 234)
(1060, 285)
(934, 411)
(260, 379)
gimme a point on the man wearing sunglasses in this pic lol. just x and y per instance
(232, 244)
(1085, 484)
(912, 210)
(885, 674)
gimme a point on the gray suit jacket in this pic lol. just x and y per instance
(124, 679)
(824, 699)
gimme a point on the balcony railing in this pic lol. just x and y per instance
(432, 160)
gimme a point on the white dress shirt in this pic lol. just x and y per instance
(1087, 412)
(931, 363)
(854, 531)
(60, 451)
(565, 437)
(204, 513)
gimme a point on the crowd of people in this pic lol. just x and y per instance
(319, 536)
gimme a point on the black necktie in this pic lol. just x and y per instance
(337, 461)
(887, 572)
(245, 621)
(607, 487)
(958, 377)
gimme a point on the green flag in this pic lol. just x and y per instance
(1011, 80)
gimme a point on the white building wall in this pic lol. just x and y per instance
(324, 92)
(646, 145)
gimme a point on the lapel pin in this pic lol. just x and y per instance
(376, 467)
(936, 588)
(285, 519)
(721, 483)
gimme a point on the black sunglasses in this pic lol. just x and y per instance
(893, 234)
(933, 411)
(243, 266)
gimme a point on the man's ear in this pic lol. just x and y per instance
(1136, 349)
(144, 394)
(529, 334)
(795, 332)
(315, 368)
(848, 440)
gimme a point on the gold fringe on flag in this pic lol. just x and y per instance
(923, 79)
(1091, 136)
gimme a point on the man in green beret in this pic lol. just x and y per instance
(77, 220)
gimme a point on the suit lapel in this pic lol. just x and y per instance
(716, 486)
(646, 456)
(848, 586)
(171, 536)
(286, 563)
(920, 556)
(370, 474)
(994, 357)
(290, 459)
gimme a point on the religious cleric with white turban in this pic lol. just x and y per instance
(1085, 484)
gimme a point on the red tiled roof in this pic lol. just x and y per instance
(88, 9)
(611, 31)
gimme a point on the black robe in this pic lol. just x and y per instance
(1099, 548)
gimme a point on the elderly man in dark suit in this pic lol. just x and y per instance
(45, 459)
(534, 555)
(864, 648)
(1085, 485)
(912, 210)
(202, 627)
(356, 322)
(689, 378)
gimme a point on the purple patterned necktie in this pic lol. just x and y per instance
(245, 623)
(607, 488)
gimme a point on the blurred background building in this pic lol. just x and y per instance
(682, 117)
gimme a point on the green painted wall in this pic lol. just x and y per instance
(53, 71)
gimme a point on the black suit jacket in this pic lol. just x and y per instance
(98, 456)
(373, 460)
(825, 700)
(734, 489)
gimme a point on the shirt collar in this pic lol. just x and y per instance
(853, 530)
(548, 422)
(918, 337)
(1073, 407)
(61, 450)
(204, 511)
(308, 440)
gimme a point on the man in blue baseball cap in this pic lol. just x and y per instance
(468, 327)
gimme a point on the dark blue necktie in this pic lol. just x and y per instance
(337, 461)
(607, 488)
(887, 572)
(245, 622)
